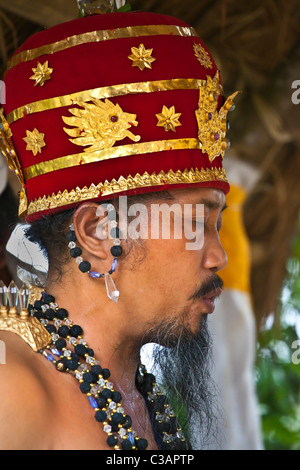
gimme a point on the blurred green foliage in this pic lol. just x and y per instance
(278, 366)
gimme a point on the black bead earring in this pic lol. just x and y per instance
(116, 251)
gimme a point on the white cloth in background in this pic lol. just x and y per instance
(232, 327)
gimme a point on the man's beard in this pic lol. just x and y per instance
(183, 370)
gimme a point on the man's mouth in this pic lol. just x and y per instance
(209, 299)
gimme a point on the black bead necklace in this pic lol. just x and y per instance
(70, 353)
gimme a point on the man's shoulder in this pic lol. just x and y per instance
(22, 392)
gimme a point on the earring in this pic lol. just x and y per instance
(116, 251)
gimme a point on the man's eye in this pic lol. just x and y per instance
(198, 224)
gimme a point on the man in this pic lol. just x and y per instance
(100, 97)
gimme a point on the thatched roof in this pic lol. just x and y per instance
(257, 46)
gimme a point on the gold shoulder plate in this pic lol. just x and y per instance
(25, 326)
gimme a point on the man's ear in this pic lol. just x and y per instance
(91, 228)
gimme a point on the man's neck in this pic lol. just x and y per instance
(105, 327)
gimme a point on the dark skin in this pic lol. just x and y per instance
(43, 408)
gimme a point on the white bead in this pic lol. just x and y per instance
(107, 428)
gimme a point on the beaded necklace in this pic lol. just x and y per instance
(70, 353)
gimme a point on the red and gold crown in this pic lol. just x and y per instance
(112, 104)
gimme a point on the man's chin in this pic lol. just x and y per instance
(170, 332)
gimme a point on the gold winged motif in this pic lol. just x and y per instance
(212, 124)
(8, 150)
(99, 125)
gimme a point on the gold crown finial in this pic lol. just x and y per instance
(212, 124)
(90, 7)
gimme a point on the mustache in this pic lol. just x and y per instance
(208, 286)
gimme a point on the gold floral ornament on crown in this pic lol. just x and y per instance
(141, 57)
(99, 125)
(168, 119)
(8, 150)
(203, 56)
(212, 124)
(41, 73)
(35, 141)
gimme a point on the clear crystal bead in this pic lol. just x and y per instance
(44, 322)
(79, 259)
(95, 389)
(57, 322)
(122, 432)
(73, 341)
(112, 405)
(107, 428)
(90, 360)
(24, 296)
(12, 293)
(72, 245)
(82, 368)
(111, 290)
(117, 241)
(159, 417)
(79, 375)
(53, 305)
(67, 353)
(101, 382)
(55, 337)
(44, 307)
(110, 385)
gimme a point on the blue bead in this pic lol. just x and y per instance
(49, 357)
(131, 438)
(94, 274)
(93, 402)
(114, 265)
(56, 352)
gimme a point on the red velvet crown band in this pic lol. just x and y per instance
(113, 104)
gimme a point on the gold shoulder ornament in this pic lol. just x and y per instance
(20, 322)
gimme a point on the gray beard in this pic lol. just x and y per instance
(182, 364)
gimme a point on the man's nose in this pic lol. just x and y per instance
(215, 258)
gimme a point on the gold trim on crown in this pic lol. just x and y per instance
(102, 35)
(84, 158)
(126, 184)
(104, 92)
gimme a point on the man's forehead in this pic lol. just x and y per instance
(212, 198)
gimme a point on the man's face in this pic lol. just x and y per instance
(173, 282)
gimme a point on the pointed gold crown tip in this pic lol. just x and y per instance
(91, 7)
